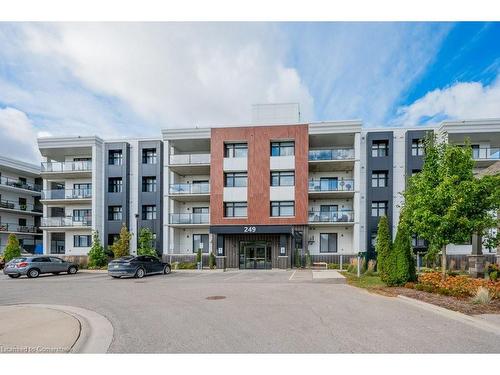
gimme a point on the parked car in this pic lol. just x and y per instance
(33, 266)
(137, 266)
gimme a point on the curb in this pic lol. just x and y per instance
(457, 316)
(96, 331)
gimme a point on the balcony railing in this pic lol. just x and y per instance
(8, 181)
(67, 166)
(492, 153)
(189, 218)
(68, 221)
(67, 194)
(331, 185)
(331, 217)
(9, 227)
(20, 207)
(181, 159)
(203, 188)
(332, 154)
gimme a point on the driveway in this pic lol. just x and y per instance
(251, 311)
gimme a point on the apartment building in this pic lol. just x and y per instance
(20, 208)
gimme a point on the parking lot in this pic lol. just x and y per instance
(249, 311)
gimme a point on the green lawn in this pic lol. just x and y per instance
(367, 282)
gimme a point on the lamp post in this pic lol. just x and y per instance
(136, 232)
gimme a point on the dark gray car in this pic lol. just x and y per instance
(36, 265)
(137, 266)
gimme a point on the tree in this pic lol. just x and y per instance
(12, 249)
(198, 256)
(97, 256)
(146, 241)
(121, 247)
(211, 260)
(445, 203)
(383, 246)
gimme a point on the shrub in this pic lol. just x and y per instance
(211, 261)
(12, 249)
(298, 261)
(383, 246)
(493, 276)
(308, 260)
(186, 266)
(97, 258)
(333, 266)
(121, 247)
(482, 296)
(410, 285)
(457, 286)
(145, 243)
(493, 270)
(198, 256)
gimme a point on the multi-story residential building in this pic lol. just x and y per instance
(20, 208)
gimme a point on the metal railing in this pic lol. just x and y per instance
(10, 205)
(331, 185)
(67, 221)
(332, 154)
(189, 159)
(8, 181)
(67, 194)
(189, 218)
(492, 153)
(10, 227)
(203, 188)
(331, 217)
(67, 166)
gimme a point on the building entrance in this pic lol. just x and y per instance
(255, 255)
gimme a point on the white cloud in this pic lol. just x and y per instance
(17, 136)
(463, 100)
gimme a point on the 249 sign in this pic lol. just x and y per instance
(249, 229)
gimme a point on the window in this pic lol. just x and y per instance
(373, 239)
(82, 159)
(380, 149)
(283, 208)
(236, 179)
(200, 241)
(149, 184)
(235, 209)
(379, 178)
(286, 178)
(115, 213)
(115, 185)
(283, 148)
(200, 210)
(112, 238)
(148, 212)
(22, 204)
(82, 215)
(82, 241)
(86, 187)
(115, 157)
(417, 147)
(475, 151)
(328, 243)
(22, 222)
(379, 208)
(235, 150)
(56, 260)
(328, 183)
(149, 156)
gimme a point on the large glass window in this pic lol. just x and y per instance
(200, 241)
(82, 241)
(283, 148)
(115, 185)
(235, 209)
(380, 149)
(282, 208)
(115, 213)
(149, 184)
(82, 215)
(149, 156)
(379, 178)
(285, 178)
(379, 208)
(149, 212)
(115, 157)
(235, 150)
(236, 179)
(328, 243)
(417, 147)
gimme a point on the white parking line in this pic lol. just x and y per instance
(232, 277)
(291, 276)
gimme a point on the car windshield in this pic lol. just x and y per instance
(17, 260)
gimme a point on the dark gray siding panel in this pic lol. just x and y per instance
(413, 162)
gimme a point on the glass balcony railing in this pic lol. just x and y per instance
(203, 188)
(67, 221)
(331, 217)
(10, 205)
(68, 166)
(189, 218)
(332, 154)
(67, 194)
(330, 185)
(13, 182)
(181, 159)
(492, 153)
(10, 227)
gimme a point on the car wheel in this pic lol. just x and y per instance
(72, 270)
(167, 270)
(14, 276)
(140, 273)
(32, 273)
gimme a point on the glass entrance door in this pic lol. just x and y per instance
(255, 256)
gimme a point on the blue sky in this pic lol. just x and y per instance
(133, 79)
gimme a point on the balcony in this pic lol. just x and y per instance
(331, 188)
(486, 156)
(67, 195)
(331, 217)
(190, 192)
(17, 184)
(189, 219)
(16, 228)
(15, 206)
(190, 163)
(332, 159)
(68, 168)
(66, 222)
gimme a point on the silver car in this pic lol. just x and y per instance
(33, 266)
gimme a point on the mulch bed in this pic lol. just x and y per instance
(452, 303)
